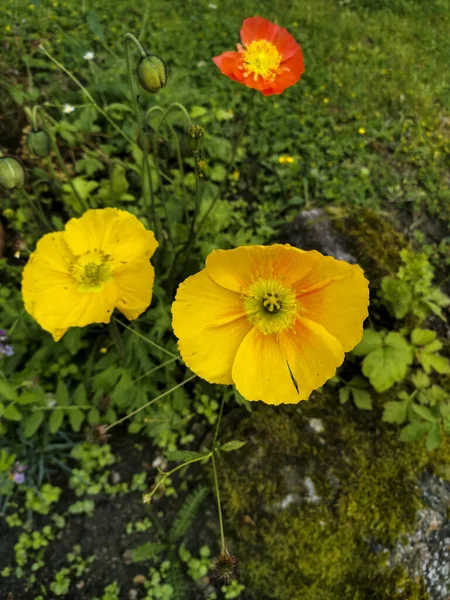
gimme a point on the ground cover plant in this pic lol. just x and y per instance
(152, 173)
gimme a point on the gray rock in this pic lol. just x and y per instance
(426, 552)
(315, 230)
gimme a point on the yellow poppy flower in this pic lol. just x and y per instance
(273, 320)
(100, 261)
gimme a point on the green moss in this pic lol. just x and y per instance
(368, 495)
(374, 242)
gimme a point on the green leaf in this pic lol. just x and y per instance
(433, 438)
(414, 431)
(397, 296)
(12, 413)
(7, 390)
(94, 416)
(147, 551)
(424, 412)
(62, 395)
(420, 380)
(433, 347)
(344, 394)
(30, 397)
(184, 455)
(79, 397)
(371, 340)
(361, 398)
(32, 423)
(434, 361)
(94, 25)
(387, 363)
(76, 418)
(56, 419)
(420, 337)
(395, 412)
(233, 445)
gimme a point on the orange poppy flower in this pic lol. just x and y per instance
(268, 60)
(273, 320)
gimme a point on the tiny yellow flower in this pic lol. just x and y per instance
(289, 159)
(282, 159)
(78, 276)
(235, 175)
(326, 100)
(8, 213)
(31, 7)
(103, 350)
(7, 28)
(275, 321)
(361, 131)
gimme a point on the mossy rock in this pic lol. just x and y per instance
(313, 515)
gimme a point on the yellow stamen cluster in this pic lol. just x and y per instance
(91, 270)
(260, 59)
(271, 306)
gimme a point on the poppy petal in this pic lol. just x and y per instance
(210, 322)
(135, 288)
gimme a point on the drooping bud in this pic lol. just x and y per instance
(12, 174)
(225, 569)
(195, 135)
(38, 143)
(97, 434)
(152, 73)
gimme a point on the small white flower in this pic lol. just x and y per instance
(201, 63)
(89, 55)
(68, 108)
(212, 6)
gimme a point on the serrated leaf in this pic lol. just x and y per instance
(387, 363)
(62, 395)
(424, 412)
(55, 421)
(433, 438)
(232, 445)
(32, 422)
(79, 397)
(420, 380)
(344, 394)
(371, 340)
(12, 413)
(184, 455)
(435, 361)
(147, 551)
(420, 337)
(76, 418)
(414, 431)
(7, 391)
(395, 412)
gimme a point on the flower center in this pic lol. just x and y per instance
(91, 270)
(271, 306)
(260, 59)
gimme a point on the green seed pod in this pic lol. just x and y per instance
(152, 73)
(12, 174)
(195, 135)
(38, 143)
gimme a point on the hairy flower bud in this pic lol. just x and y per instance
(152, 73)
(38, 143)
(12, 174)
(225, 569)
(195, 135)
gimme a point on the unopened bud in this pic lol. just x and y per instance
(12, 174)
(38, 143)
(97, 434)
(195, 135)
(152, 73)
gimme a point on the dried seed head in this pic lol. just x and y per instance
(225, 569)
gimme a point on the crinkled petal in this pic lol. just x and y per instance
(258, 28)
(210, 322)
(115, 232)
(340, 305)
(236, 269)
(228, 63)
(135, 288)
(288, 367)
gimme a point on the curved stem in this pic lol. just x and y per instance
(166, 113)
(88, 96)
(216, 479)
(84, 205)
(147, 189)
(147, 340)
(230, 164)
(166, 393)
